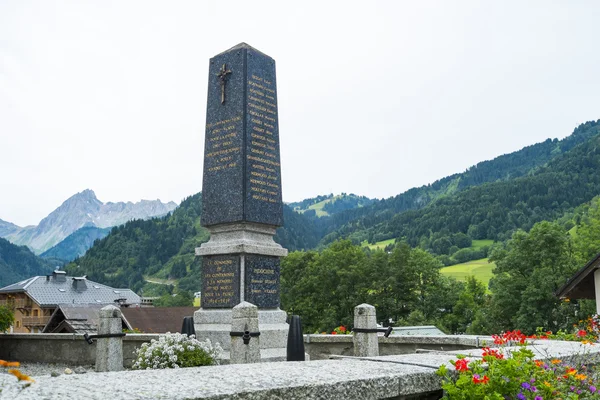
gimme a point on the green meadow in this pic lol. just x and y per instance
(480, 269)
(318, 207)
(379, 245)
(478, 244)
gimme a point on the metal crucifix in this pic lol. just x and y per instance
(223, 72)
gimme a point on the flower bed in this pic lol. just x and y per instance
(512, 372)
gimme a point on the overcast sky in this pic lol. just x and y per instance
(374, 97)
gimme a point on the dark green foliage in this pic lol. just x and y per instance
(178, 270)
(76, 244)
(180, 299)
(18, 263)
(7, 317)
(529, 270)
(298, 232)
(346, 202)
(464, 255)
(323, 288)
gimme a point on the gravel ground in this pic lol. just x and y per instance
(38, 369)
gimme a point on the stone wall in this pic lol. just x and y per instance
(72, 349)
(64, 348)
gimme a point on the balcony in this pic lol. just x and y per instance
(35, 321)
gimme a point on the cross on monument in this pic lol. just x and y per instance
(222, 79)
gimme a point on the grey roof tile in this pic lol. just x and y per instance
(52, 290)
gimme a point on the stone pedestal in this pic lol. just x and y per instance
(216, 326)
(243, 241)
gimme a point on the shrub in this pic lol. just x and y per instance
(7, 317)
(174, 350)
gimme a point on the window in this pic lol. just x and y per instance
(36, 313)
(18, 324)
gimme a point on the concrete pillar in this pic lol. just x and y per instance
(244, 318)
(597, 289)
(365, 344)
(109, 351)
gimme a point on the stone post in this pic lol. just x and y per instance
(365, 344)
(109, 351)
(244, 318)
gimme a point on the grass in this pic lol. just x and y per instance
(379, 245)
(318, 207)
(478, 244)
(480, 269)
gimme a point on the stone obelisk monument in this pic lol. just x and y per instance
(241, 200)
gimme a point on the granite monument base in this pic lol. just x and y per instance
(240, 238)
(215, 324)
(252, 244)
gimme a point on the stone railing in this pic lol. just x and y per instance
(66, 348)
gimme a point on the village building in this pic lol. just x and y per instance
(584, 284)
(37, 299)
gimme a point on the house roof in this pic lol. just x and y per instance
(58, 288)
(74, 318)
(581, 284)
(157, 319)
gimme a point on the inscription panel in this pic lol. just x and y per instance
(223, 176)
(220, 281)
(262, 281)
(242, 171)
(263, 168)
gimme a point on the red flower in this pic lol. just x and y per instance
(483, 380)
(581, 333)
(342, 328)
(492, 352)
(462, 364)
(514, 336)
(334, 333)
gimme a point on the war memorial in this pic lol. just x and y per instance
(242, 207)
(241, 199)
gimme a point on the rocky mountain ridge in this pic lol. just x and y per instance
(81, 209)
(6, 228)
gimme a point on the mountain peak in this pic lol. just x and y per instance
(86, 194)
(82, 209)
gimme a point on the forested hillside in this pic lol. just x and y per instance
(18, 263)
(495, 210)
(76, 244)
(355, 223)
